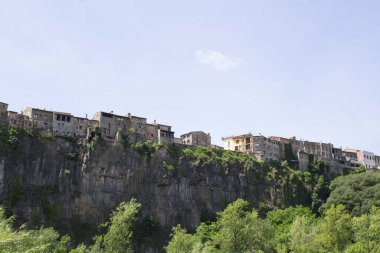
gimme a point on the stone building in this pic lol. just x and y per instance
(139, 124)
(19, 120)
(364, 157)
(165, 134)
(261, 147)
(110, 123)
(41, 119)
(62, 124)
(320, 150)
(152, 132)
(81, 126)
(241, 143)
(177, 140)
(266, 149)
(377, 162)
(303, 160)
(3, 115)
(196, 138)
(282, 142)
(339, 159)
(352, 158)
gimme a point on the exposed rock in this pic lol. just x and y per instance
(43, 186)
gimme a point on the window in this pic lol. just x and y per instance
(80, 127)
(237, 141)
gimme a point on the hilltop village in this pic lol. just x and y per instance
(297, 152)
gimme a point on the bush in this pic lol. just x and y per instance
(169, 166)
(147, 148)
(73, 156)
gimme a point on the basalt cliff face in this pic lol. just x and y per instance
(65, 184)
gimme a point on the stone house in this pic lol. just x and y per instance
(177, 141)
(19, 120)
(320, 150)
(259, 146)
(282, 142)
(266, 149)
(111, 123)
(165, 134)
(364, 157)
(339, 159)
(352, 158)
(80, 126)
(152, 132)
(241, 143)
(139, 124)
(377, 161)
(303, 160)
(196, 138)
(62, 124)
(3, 115)
(41, 119)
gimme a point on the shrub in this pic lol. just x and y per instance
(147, 148)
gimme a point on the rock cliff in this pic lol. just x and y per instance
(74, 186)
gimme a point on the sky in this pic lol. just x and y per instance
(304, 68)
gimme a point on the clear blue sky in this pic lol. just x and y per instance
(305, 68)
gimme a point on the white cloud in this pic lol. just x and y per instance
(217, 60)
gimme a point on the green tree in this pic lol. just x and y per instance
(334, 230)
(282, 220)
(181, 241)
(302, 235)
(241, 230)
(23, 240)
(118, 237)
(366, 232)
(357, 192)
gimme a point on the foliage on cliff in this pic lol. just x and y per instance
(358, 192)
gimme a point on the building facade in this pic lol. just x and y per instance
(3, 115)
(81, 126)
(110, 123)
(41, 119)
(377, 162)
(62, 124)
(19, 120)
(196, 138)
(261, 147)
(320, 150)
(365, 158)
(165, 134)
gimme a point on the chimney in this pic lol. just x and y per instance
(154, 122)
(129, 114)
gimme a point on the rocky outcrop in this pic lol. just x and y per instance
(74, 188)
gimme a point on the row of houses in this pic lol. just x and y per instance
(280, 148)
(109, 124)
(262, 147)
